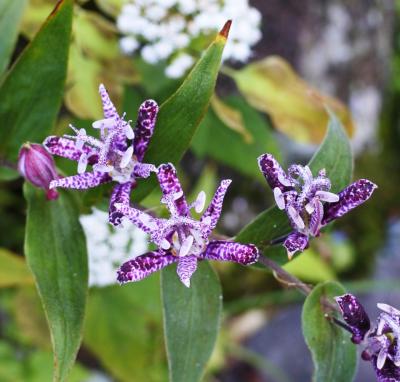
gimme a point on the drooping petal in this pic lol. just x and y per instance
(349, 198)
(187, 265)
(109, 109)
(120, 194)
(145, 124)
(316, 217)
(142, 266)
(274, 173)
(354, 315)
(295, 242)
(244, 254)
(82, 181)
(213, 211)
(66, 148)
(388, 373)
(170, 186)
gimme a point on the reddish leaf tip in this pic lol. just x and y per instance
(225, 30)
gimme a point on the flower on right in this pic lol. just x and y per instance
(381, 340)
(307, 199)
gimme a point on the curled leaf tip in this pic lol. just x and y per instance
(224, 32)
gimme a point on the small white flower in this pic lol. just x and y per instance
(128, 44)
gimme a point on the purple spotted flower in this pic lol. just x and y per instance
(381, 341)
(308, 201)
(181, 239)
(116, 156)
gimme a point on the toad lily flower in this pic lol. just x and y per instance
(116, 156)
(181, 239)
(307, 200)
(382, 341)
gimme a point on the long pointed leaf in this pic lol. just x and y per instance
(182, 113)
(191, 321)
(55, 250)
(31, 93)
(335, 156)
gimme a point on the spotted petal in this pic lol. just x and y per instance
(145, 124)
(244, 254)
(213, 211)
(187, 265)
(349, 198)
(82, 181)
(388, 373)
(120, 194)
(170, 186)
(109, 109)
(274, 173)
(142, 266)
(354, 315)
(66, 148)
(295, 242)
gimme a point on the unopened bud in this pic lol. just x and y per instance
(37, 166)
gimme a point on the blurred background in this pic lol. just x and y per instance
(345, 54)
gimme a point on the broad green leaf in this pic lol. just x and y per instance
(191, 321)
(215, 140)
(13, 270)
(334, 355)
(10, 16)
(181, 114)
(335, 156)
(310, 267)
(55, 249)
(31, 93)
(123, 329)
(297, 109)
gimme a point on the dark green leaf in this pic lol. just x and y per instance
(123, 329)
(31, 93)
(191, 321)
(223, 144)
(334, 355)
(335, 156)
(10, 15)
(55, 249)
(181, 114)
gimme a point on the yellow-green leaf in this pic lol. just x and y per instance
(13, 270)
(296, 108)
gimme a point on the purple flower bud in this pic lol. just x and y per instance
(37, 166)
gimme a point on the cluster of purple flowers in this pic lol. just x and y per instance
(118, 154)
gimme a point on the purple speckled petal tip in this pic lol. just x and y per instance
(142, 266)
(354, 315)
(120, 194)
(66, 148)
(244, 254)
(82, 181)
(145, 124)
(170, 185)
(109, 109)
(186, 267)
(349, 198)
(273, 172)
(295, 242)
(215, 207)
(389, 372)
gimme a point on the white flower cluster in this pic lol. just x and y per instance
(167, 30)
(109, 247)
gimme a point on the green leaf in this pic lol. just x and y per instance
(191, 320)
(213, 135)
(297, 109)
(335, 156)
(181, 114)
(55, 249)
(10, 15)
(334, 355)
(13, 270)
(123, 329)
(31, 93)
